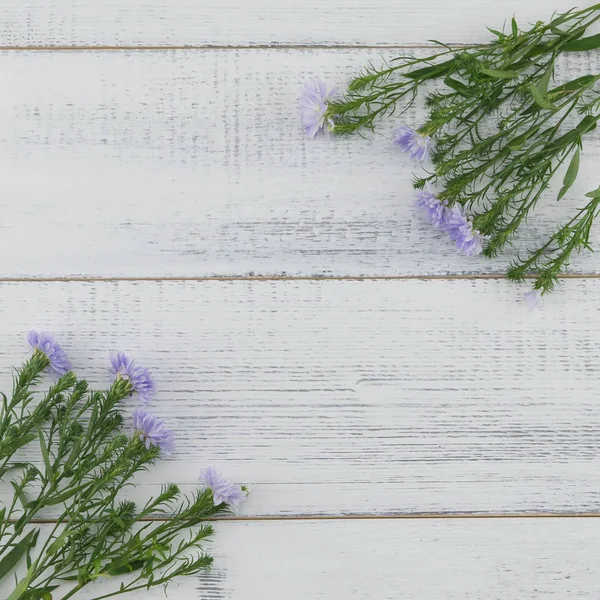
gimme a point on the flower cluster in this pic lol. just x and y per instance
(498, 133)
(453, 219)
(151, 430)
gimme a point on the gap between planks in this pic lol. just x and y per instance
(227, 47)
(406, 517)
(282, 278)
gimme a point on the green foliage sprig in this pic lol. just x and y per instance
(87, 460)
(499, 128)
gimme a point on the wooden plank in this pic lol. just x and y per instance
(394, 559)
(235, 22)
(350, 397)
(399, 559)
(193, 163)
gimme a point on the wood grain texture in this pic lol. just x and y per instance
(193, 163)
(393, 560)
(383, 560)
(350, 397)
(238, 22)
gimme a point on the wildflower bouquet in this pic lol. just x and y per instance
(87, 455)
(498, 131)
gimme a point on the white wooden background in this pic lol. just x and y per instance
(408, 427)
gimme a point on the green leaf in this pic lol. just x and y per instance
(17, 552)
(458, 86)
(40, 593)
(571, 174)
(587, 43)
(499, 34)
(545, 80)
(539, 98)
(594, 193)
(515, 29)
(117, 568)
(59, 542)
(432, 71)
(21, 587)
(518, 142)
(520, 65)
(20, 494)
(497, 74)
(64, 496)
(74, 452)
(536, 50)
(45, 455)
(588, 123)
(574, 84)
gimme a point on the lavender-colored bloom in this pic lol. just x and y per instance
(434, 208)
(313, 106)
(223, 491)
(533, 299)
(139, 377)
(415, 144)
(45, 342)
(460, 228)
(153, 431)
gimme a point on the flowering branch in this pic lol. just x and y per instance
(87, 461)
(496, 135)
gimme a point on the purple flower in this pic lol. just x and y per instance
(415, 144)
(460, 228)
(313, 106)
(139, 377)
(153, 431)
(45, 342)
(533, 299)
(434, 208)
(223, 491)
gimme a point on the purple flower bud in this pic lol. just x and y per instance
(434, 208)
(45, 342)
(223, 491)
(460, 228)
(141, 382)
(313, 106)
(415, 144)
(152, 430)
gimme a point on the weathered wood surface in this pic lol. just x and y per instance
(193, 163)
(350, 397)
(335, 399)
